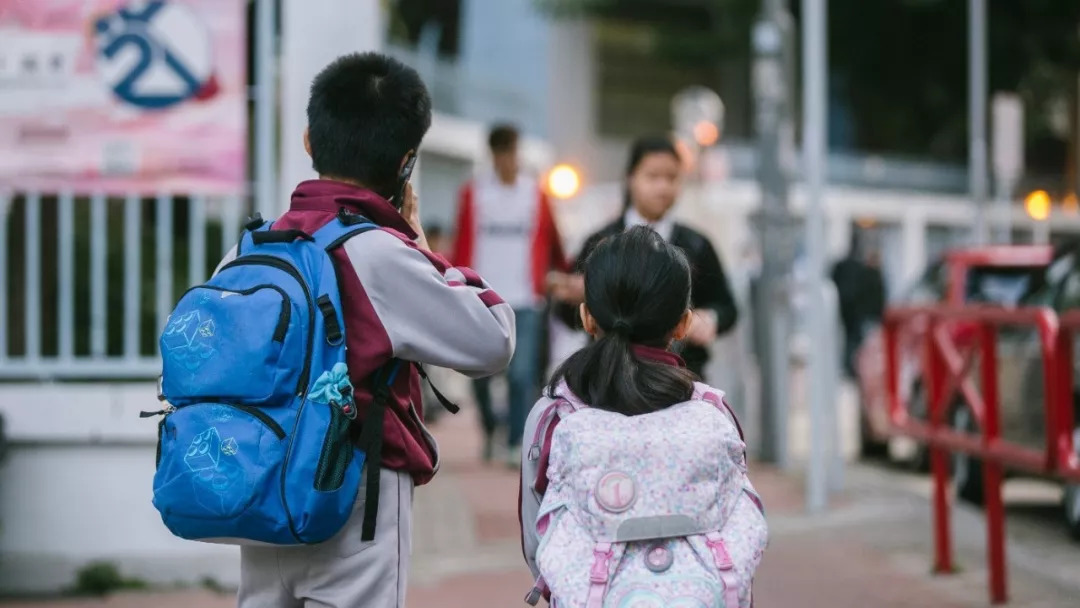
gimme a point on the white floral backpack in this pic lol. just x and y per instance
(646, 511)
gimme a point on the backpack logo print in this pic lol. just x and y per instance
(616, 492)
(188, 340)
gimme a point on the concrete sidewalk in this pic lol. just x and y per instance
(870, 551)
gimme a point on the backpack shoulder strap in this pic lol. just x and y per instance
(336, 232)
(704, 392)
(371, 441)
(563, 404)
(332, 235)
(253, 224)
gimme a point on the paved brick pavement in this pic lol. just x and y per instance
(870, 551)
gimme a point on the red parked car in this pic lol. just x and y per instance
(997, 275)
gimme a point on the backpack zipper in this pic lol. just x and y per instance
(262, 417)
(280, 264)
(302, 385)
(283, 316)
(253, 411)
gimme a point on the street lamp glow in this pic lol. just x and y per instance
(706, 133)
(1037, 205)
(563, 181)
(1071, 204)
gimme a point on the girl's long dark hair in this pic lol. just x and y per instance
(642, 147)
(637, 287)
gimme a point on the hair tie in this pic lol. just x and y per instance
(621, 326)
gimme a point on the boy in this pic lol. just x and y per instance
(506, 230)
(366, 117)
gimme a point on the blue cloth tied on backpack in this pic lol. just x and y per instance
(332, 386)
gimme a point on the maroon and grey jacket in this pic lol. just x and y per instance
(405, 303)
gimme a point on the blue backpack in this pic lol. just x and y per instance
(255, 444)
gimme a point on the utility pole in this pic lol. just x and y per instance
(266, 59)
(977, 93)
(822, 395)
(773, 80)
(1007, 118)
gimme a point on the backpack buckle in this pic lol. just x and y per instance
(254, 222)
(719, 551)
(538, 591)
(602, 555)
(349, 218)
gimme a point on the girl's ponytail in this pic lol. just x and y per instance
(637, 288)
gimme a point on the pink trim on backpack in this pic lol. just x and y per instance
(546, 426)
(705, 393)
(725, 566)
(541, 482)
(599, 575)
(543, 523)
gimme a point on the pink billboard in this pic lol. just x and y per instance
(122, 96)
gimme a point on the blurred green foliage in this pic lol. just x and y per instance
(898, 66)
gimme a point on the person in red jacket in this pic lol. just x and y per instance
(507, 233)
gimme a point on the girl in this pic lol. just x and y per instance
(652, 186)
(634, 489)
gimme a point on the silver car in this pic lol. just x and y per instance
(1021, 385)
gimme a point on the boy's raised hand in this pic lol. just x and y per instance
(569, 288)
(703, 331)
(410, 209)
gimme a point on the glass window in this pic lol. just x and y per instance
(1069, 293)
(999, 285)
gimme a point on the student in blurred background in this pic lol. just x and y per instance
(505, 228)
(652, 185)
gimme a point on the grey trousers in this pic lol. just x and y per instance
(343, 572)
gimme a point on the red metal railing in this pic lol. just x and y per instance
(948, 370)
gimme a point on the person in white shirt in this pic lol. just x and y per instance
(506, 230)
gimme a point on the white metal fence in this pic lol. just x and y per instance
(86, 283)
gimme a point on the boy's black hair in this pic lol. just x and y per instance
(637, 287)
(366, 112)
(502, 137)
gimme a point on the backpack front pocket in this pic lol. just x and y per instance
(217, 460)
(225, 345)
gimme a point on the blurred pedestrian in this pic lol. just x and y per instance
(624, 429)
(860, 288)
(506, 231)
(653, 183)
